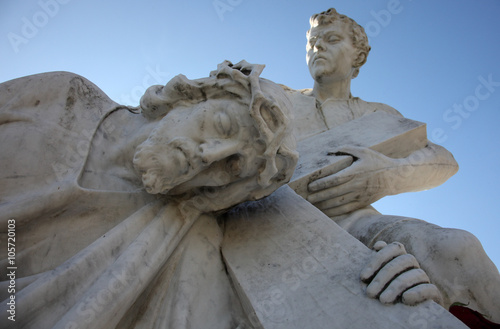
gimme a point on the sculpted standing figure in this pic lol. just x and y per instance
(454, 260)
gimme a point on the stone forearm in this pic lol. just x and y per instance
(422, 170)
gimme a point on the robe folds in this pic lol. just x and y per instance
(88, 258)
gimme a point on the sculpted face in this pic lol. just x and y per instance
(218, 141)
(330, 52)
(208, 144)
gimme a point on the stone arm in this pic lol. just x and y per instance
(372, 175)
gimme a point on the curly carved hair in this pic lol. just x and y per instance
(269, 108)
(357, 32)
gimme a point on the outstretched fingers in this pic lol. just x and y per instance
(328, 182)
(336, 201)
(343, 209)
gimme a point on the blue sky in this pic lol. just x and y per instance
(429, 60)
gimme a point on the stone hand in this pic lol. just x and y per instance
(248, 68)
(394, 275)
(368, 179)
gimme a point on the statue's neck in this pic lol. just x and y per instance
(339, 89)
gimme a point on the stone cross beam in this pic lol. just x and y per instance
(294, 268)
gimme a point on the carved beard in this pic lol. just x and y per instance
(147, 161)
(164, 162)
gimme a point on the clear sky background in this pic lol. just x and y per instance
(434, 61)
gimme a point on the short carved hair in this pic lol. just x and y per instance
(357, 32)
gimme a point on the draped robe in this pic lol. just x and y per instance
(94, 258)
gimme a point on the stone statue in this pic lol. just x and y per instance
(454, 260)
(117, 208)
(114, 206)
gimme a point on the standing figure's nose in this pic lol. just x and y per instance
(319, 45)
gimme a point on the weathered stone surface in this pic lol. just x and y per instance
(391, 135)
(336, 49)
(295, 268)
(114, 206)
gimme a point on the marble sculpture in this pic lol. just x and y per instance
(453, 259)
(121, 211)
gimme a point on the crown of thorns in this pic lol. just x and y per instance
(240, 80)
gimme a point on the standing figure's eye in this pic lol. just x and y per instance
(312, 42)
(333, 39)
(223, 124)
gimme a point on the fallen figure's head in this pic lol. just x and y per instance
(219, 140)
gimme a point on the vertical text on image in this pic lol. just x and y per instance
(11, 269)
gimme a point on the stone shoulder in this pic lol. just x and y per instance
(381, 107)
(371, 106)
